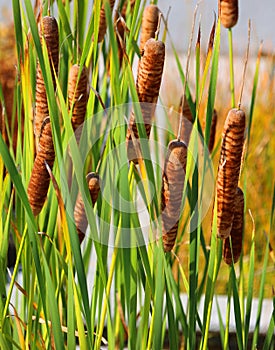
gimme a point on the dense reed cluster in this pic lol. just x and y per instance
(123, 286)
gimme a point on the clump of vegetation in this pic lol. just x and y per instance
(140, 229)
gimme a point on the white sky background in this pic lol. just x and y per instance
(261, 13)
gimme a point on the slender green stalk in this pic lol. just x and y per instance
(231, 67)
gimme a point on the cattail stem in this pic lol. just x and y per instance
(245, 63)
(231, 67)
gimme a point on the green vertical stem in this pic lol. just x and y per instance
(193, 261)
(232, 85)
(226, 335)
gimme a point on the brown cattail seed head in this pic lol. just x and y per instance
(81, 221)
(172, 190)
(148, 85)
(212, 131)
(102, 21)
(149, 24)
(77, 94)
(229, 12)
(49, 31)
(236, 233)
(40, 178)
(229, 169)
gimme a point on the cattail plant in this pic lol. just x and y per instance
(40, 178)
(148, 85)
(212, 135)
(48, 29)
(77, 94)
(102, 21)
(172, 190)
(229, 169)
(229, 12)
(80, 218)
(149, 26)
(236, 232)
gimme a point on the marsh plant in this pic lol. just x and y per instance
(96, 174)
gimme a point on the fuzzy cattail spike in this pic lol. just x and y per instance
(77, 94)
(149, 26)
(236, 233)
(49, 31)
(40, 178)
(172, 190)
(148, 85)
(81, 221)
(229, 12)
(229, 169)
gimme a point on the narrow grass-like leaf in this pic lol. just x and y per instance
(269, 338)
(212, 85)
(213, 268)
(18, 30)
(172, 324)
(221, 323)
(71, 313)
(261, 297)
(253, 96)
(250, 287)
(53, 308)
(156, 327)
(237, 308)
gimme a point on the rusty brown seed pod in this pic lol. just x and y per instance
(149, 24)
(80, 218)
(40, 178)
(102, 21)
(229, 12)
(236, 232)
(148, 85)
(229, 169)
(172, 190)
(48, 29)
(212, 135)
(77, 94)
